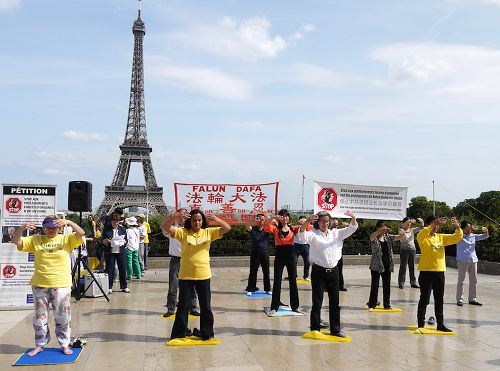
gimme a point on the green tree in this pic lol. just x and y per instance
(488, 203)
(420, 207)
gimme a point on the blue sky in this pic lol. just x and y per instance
(366, 92)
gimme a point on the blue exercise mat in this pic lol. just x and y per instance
(49, 356)
(257, 294)
(282, 312)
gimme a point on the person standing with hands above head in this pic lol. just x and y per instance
(381, 263)
(284, 257)
(467, 261)
(259, 255)
(407, 251)
(174, 250)
(325, 253)
(51, 281)
(432, 266)
(194, 274)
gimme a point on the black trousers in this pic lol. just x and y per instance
(325, 280)
(431, 281)
(186, 288)
(285, 257)
(121, 261)
(407, 258)
(340, 265)
(258, 258)
(303, 250)
(386, 286)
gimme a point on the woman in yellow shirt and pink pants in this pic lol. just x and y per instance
(51, 281)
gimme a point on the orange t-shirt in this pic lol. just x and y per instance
(279, 239)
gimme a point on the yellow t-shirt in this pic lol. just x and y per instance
(52, 258)
(145, 224)
(432, 249)
(195, 260)
(97, 232)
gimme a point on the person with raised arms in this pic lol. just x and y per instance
(259, 256)
(432, 266)
(51, 281)
(407, 251)
(467, 261)
(194, 274)
(174, 250)
(284, 257)
(325, 253)
(382, 263)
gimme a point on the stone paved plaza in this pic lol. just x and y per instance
(129, 334)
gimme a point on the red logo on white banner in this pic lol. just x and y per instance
(9, 271)
(13, 205)
(327, 199)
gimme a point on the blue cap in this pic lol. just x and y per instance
(49, 223)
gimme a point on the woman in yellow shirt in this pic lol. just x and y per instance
(51, 281)
(432, 265)
(194, 274)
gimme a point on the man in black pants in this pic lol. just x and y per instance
(259, 255)
(326, 251)
(334, 225)
(432, 266)
(301, 248)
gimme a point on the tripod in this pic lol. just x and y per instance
(79, 259)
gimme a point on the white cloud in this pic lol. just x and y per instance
(249, 39)
(207, 81)
(56, 172)
(77, 135)
(6, 5)
(301, 32)
(334, 159)
(55, 156)
(445, 70)
(311, 74)
(494, 2)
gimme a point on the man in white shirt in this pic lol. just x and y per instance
(325, 253)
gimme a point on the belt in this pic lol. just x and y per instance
(326, 270)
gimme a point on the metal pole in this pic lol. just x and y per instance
(303, 180)
(433, 200)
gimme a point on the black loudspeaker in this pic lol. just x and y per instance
(80, 196)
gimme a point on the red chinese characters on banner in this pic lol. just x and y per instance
(235, 203)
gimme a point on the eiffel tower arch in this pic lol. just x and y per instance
(135, 147)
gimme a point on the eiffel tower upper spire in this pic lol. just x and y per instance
(136, 124)
(135, 147)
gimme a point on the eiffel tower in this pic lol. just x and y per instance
(135, 147)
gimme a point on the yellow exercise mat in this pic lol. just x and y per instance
(191, 340)
(380, 309)
(172, 317)
(428, 330)
(325, 335)
(303, 281)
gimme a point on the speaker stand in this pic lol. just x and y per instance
(76, 269)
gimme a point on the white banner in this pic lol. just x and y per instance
(16, 270)
(27, 203)
(232, 202)
(371, 202)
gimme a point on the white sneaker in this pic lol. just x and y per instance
(127, 290)
(307, 279)
(269, 292)
(249, 293)
(110, 291)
